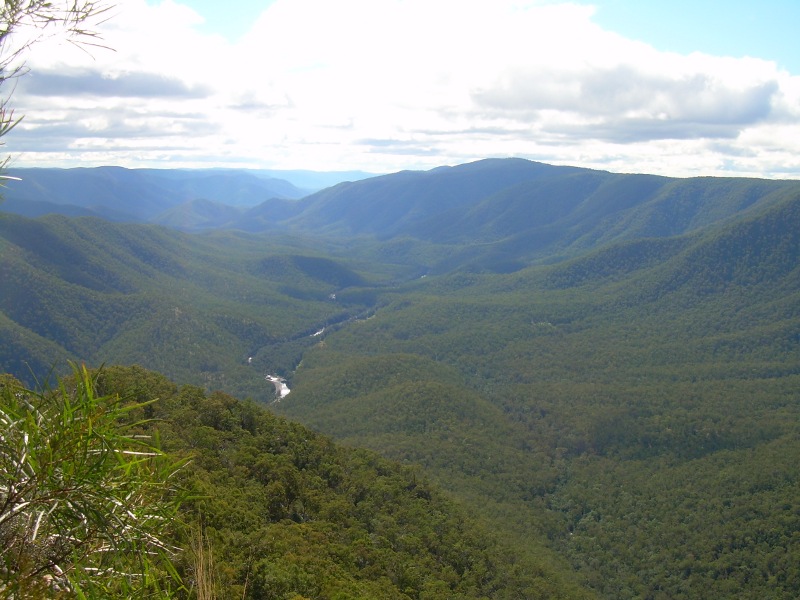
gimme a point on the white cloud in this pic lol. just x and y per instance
(384, 85)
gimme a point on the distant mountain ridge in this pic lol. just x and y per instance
(518, 209)
(523, 205)
(139, 195)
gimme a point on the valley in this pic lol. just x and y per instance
(602, 369)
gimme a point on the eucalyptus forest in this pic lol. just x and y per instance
(505, 379)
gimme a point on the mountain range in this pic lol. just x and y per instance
(522, 208)
(165, 196)
(602, 366)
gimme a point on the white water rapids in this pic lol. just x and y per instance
(281, 389)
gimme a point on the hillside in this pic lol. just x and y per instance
(272, 510)
(576, 399)
(194, 307)
(602, 366)
(506, 211)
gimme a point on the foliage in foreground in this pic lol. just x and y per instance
(85, 502)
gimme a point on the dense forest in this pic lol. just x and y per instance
(587, 383)
(271, 509)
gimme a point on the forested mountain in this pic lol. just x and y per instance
(523, 209)
(290, 514)
(195, 307)
(603, 366)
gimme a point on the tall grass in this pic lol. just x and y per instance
(85, 497)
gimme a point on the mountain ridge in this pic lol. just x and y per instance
(139, 195)
(527, 209)
(603, 364)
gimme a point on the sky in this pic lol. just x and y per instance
(680, 88)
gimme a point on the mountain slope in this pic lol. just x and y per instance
(392, 205)
(762, 245)
(265, 508)
(650, 382)
(195, 307)
(197, 215)
(507, 211)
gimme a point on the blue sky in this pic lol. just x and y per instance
(765, 29)
(676, 88)
(219, 18)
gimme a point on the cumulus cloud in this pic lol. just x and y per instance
(627, 90)
(384, 85)
(84, 82)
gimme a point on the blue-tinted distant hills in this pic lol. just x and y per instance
(495, 214)
(179, 198)
(153, 195)
(497, 199)
(513, 211)
(513, 207)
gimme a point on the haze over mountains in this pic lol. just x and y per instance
(156, 195)
(604, 366)
(494, 200)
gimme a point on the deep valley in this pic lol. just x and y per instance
(601, 371)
